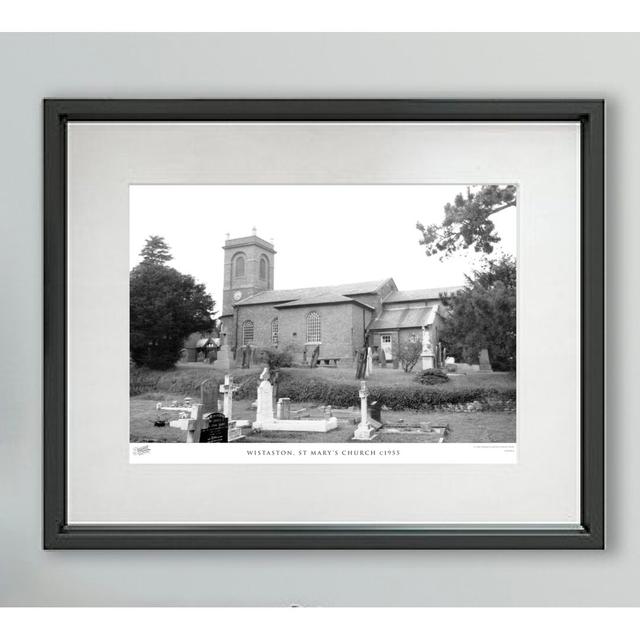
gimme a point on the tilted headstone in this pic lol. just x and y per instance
(314, 357)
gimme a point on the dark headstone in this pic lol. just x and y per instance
(218, 429)
(485, 363)
(375, 411)
(314, 357)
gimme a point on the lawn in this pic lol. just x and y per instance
(411, 404)
(482, 426)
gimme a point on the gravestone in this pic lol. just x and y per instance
(224, 358)
(283, 409)
(485, 363)
(209, 396)
(365, 430)
(218, 429)
(314, 357)
(375, 411)
(265, 399)
(227, 389)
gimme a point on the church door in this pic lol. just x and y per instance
(385, 342)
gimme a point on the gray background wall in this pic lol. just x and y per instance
(33, 66)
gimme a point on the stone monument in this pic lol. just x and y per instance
(365, 430)
(427, 356)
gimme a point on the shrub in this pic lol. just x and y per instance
(411, 396)
(275, 359)
(408, 353)
(431, 376)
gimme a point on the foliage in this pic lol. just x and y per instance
(411, 396)
(431, 376)
(490, 390)
(467, 221)
(408, 353)
(187, 381)
(165, 307)
(156, 251)
(276, 359)
(483, 316)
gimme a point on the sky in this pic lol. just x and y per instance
(323, 234)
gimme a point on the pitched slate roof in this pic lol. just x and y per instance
(408, 318)
(289, 295)
(420, 294)
(323, 298)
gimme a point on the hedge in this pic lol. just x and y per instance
(412, 396)
(320, 390)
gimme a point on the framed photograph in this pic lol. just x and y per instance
(324, 324)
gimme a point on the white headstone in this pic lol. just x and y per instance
(265, 402)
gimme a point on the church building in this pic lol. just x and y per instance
(336, 318)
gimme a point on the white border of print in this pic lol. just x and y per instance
(104, 159)
(357, 453)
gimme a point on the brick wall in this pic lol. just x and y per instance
(341, 328)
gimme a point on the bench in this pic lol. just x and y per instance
(327, 362)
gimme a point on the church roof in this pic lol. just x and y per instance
(408, 318)
(323, 298)
(413, 295)
(298, 295)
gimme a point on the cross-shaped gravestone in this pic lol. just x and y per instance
(228, 389)
(195, 424)
(364, 431)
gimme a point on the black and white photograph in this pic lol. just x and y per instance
(323, 314)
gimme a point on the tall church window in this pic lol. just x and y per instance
(239, 267)
(263, 268)
(274, 332)
(247, 332)
(313, 327)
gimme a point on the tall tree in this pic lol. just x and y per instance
(483, 315)
(156, 251)
(165, 306)
(467, 221)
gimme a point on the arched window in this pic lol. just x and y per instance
(274, 332)
(247, 332)
(313, 327)
(263, 268)
(239, 267)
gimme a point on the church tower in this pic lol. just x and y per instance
(248, 269)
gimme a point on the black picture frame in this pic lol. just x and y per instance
(58, 534)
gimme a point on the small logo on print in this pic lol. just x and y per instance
(140, 451)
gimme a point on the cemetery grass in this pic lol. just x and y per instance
(483, 426)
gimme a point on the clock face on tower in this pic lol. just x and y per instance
(237, 295)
